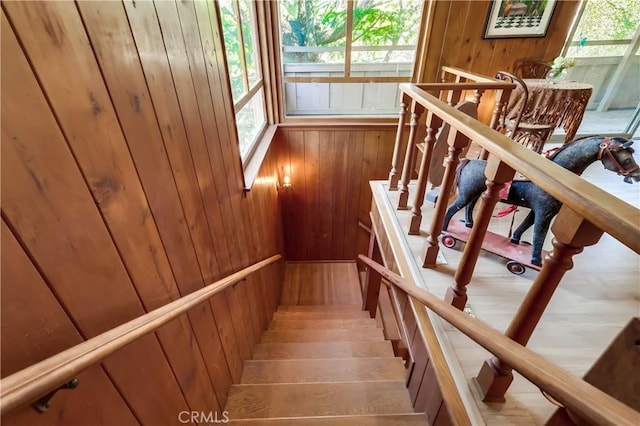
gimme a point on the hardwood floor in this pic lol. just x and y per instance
(321, 283)
(593, 303)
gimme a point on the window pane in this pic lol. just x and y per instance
(249, 38)
(317, 28)
(382, 44)
(232, 48)
(250, 120)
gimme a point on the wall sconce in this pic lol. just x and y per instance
(284, 180)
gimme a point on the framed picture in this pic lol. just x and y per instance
(518, 18)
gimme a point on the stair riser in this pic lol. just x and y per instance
(303, 336)
(316, 370)
(298, 400)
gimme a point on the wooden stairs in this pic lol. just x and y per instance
(322, 365)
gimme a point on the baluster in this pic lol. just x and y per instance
(502, 96)
(477, 96)
(571, 233)
(497, 174)
(457, 142)
(454, 97)
(433, 124)
(393, 174)
(410, 156)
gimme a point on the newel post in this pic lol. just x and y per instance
(394, 176)
(571, 233)
(457, 141)
(410, 156)
(497, 173)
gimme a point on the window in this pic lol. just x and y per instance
(346, 57)
(239, 32)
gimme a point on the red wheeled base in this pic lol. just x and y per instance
(518, 255)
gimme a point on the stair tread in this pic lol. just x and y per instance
(311, 315)
(334, 323)
(322, 370)
(322, 350)
(409, 419)
(318, 399)
(326, 335)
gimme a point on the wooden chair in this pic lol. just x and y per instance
(531, 68)
(531, 135)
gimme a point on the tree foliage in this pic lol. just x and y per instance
(324, 23)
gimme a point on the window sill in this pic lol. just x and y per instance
(251, 168)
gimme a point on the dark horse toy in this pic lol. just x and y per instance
(616, 155)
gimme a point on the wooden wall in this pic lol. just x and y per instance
(455, 39)
(330, 170)
(121, 191)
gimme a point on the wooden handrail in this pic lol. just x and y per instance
(578, 396)
(492, 85)
(31, 383)
(467, 74)
(602, 209)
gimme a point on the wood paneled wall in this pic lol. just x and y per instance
(330, 171)
(456, 39)
(121, 191)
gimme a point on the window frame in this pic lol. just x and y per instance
(251, 91)
(426, 15)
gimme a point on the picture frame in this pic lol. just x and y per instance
(518, 18)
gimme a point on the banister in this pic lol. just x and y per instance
(29, 384)
(578, 396)
(602, 209)
(466, 74)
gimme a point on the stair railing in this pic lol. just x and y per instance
(31, 383)
(587, 213)
(579, 397)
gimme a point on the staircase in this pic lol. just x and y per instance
(322, 365)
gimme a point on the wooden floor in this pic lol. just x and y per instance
(321, 283)
(593, 303)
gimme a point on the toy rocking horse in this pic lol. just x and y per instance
(615, 154)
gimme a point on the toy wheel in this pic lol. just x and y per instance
(448, 241)
(516, 268)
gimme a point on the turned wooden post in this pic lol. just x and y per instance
(477, 96)
(499, 110)
(433, 124)
(453, 97)
(410, 156)
(571, 233)
(372, 279)
(394, 176)
(497, 174)
(457, 142)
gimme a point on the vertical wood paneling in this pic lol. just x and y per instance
(46, 200)
(339, 192)
(110, 37)
(331, 192)
(326, 192)
(355, 151)
(456, 39)
(123, 184)
(49, 331)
